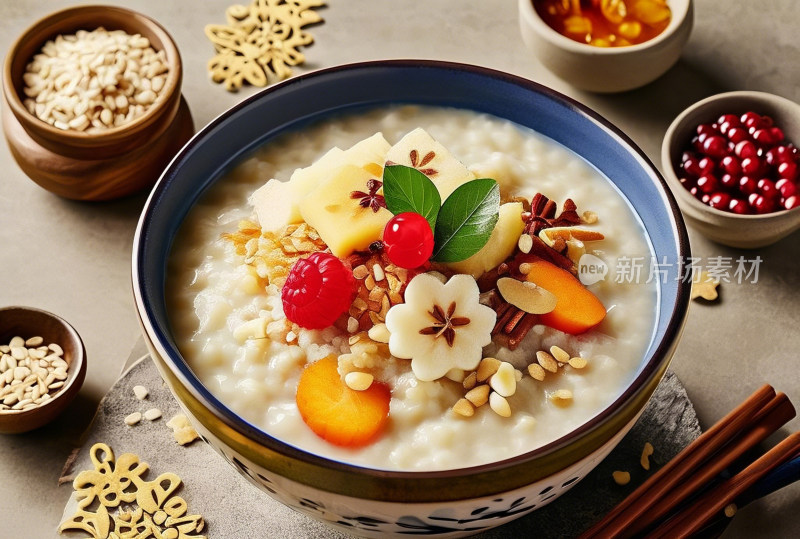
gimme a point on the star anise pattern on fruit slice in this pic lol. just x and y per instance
(370, 199)
(418, 164)
(444, 323)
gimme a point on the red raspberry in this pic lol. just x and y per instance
(317, 291)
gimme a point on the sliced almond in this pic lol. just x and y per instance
(536, 371)
(559, 354)
(504, 381)
(547, 361)
(526, 296)
(525, 243)
(500, 405)
(577, 363)
(551, 236)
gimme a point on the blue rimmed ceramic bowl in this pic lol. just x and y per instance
(371, 502)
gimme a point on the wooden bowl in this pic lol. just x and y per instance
(28, 322)
(95, 166)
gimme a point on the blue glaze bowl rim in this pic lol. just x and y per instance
(496, 93)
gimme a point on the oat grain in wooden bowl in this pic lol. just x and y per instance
(42, 367)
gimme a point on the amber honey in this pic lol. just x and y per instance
(606, 23)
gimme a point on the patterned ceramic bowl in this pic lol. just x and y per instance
(372, 502)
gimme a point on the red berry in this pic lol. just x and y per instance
(747, 185)
(721, 201)
(752, 166)
(761, 204)
(738, 206)
(729, 119)
(786, 187)
(746, 148)
(731, 165)
(767, 188)
(317, 291)
(707, 183)
(715, 146)
(706, 129)
(764, 137)
(737, 134)
(408, 240)
(788, 170)
(791, 202)
(777, 134)
(729, 181)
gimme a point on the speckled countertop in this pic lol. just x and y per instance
(74, 258)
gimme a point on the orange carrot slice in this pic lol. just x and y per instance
(336, 413)
(577, 309)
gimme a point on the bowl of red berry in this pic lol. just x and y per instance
(734, 167)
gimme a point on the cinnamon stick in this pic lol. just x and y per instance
(775, 414)
(712, 502)
(680, 468)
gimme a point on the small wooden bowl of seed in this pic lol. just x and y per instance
(42, 367)
(92, 104)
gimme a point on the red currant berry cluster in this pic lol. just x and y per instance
(742, 164)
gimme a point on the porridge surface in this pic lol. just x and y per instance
(211, 293)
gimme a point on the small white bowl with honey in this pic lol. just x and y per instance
(606, 46)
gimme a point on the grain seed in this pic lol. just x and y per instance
(547, 361)
(152, 414)
(536, 371)
(140, 392)
(559, 354)
(133, 418)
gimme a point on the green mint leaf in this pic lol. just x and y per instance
(407, 189)
(466, 220)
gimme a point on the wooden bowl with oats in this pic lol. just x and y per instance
(105, 119)
(42, 367)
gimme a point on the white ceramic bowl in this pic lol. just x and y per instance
(744, 231)
(607, 70)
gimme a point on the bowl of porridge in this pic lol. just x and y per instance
(409, 296)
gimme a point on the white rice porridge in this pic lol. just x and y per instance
(211, 293)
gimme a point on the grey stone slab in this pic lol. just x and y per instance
(233, 507)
